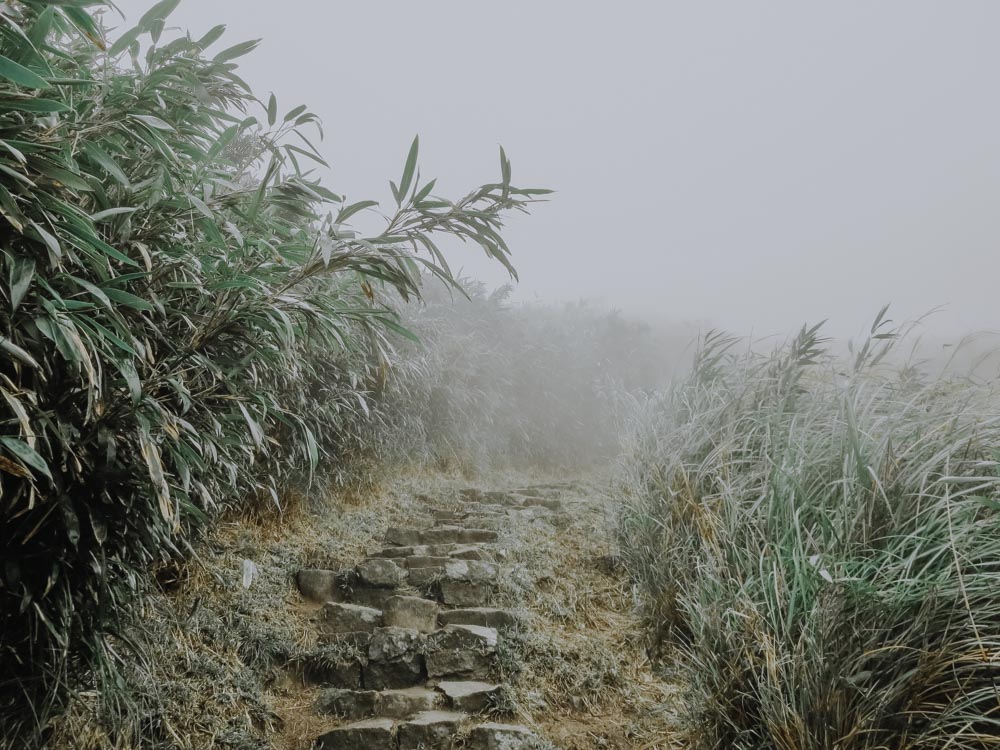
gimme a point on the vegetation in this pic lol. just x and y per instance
(495, 385)
(189, 322)
(819, 543)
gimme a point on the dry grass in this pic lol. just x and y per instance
(586, 681)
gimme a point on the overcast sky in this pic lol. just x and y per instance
(753, 164)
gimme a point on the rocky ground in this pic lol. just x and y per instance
(466, 630)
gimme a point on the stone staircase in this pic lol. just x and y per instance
(416, 631)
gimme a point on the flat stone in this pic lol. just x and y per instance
(426, 561)
(475, 571)
(400, 704)
(395, 659)
(411, 612)
(470, 552)
(317, 585)
(374, 734)
(422, 578)
(431, 730)
(339, 617)
(469, 696)
(462, 652)
(379, 573)
(400, 537)
(347, 704)
(483, 616)
(463, 594)
(457, 535)
(494, 736)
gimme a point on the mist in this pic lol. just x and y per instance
(743, 165)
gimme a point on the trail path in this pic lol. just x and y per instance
(477, 626)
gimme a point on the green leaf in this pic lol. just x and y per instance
(272, 110)
(128, 299)
(22, 271)
(237, 50)
(348, 211)
(46, 106)
(104, 160)
(157, 13)
(124, 41)
(26, 454)
(20, 75)
(214, 34)
(153, 122)
(11, 348)
(408, 169)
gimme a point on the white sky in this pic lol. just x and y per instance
(756, 164)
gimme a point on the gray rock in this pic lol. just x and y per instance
(400, 704)
(483, 616)
(471, 697)
(379, 573)
(422, 578)
(348, 704)
(395, 659)
(375, 734)
(426, 561)
(400, 537)
(338, 617)
(470, 552)
(475, 571)
(411, 612)
(503, 737)
(461, 652)
(317, 585)
(431, 730)
(457, 535)
(463, 594)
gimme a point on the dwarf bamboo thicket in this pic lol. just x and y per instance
(188, 323)
(819, 544)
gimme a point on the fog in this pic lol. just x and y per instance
(749, 165)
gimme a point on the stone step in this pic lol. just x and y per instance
(431, 730)
(469, 696)
(373, 734)
(340, 617)
(454, 593)
(493, 736)
(461, 652)
(379, 704)
(317, 585)
(395, 659)
(439, 535)
(482, 616)
(458, 551)
(411, 612)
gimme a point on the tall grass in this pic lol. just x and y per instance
(188, 322)
(818, 541)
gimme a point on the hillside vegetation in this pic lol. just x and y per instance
(189, 323)
(818, 543)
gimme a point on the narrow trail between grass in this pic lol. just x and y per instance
(489, 620)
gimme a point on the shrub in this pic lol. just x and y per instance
(189, 321)
(819, 540)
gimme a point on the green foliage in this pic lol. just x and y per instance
(189, 320)
(819, 540)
